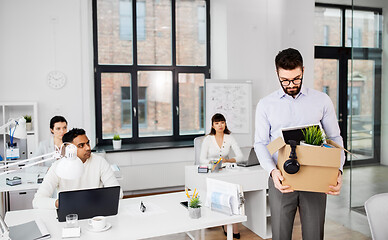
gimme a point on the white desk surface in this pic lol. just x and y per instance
(250, 178)
(29, 179)
(171, 218)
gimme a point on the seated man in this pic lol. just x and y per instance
(97, 173)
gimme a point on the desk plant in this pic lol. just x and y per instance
(116, 142)
(313, 135)
(28, 122)
(194, 206)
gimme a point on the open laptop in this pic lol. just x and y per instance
(252, 160)
(89, 203)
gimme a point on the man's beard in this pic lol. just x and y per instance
(292, 91)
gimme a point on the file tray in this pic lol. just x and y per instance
(13, 181)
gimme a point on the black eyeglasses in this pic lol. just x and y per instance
(295, 81)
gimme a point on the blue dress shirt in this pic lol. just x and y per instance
(280, 110)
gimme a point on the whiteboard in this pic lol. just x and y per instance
(233, 99)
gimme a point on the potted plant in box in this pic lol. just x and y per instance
(313, 136)
(116, 142)
(194, 207)
(28, 122)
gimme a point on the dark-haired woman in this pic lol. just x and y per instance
(217, 145)
(58, 128)
(219, 142)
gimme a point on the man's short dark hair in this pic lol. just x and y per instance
(56, 119)
(73, 133)
(289, 59)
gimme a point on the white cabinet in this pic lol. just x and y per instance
(12, 110)
(254, 182)
(20, 200)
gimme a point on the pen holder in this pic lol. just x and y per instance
(216, 166)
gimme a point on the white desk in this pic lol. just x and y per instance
(26, 189)
(254, 181)
(172, 218)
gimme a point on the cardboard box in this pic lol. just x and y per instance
(318, 165)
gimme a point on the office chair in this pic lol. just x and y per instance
(377, 212)
(197, 149)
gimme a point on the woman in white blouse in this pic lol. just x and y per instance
(219, 142)
(217, 145)
(58, 128)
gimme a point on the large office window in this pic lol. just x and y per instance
(348, 56)
(151, 60)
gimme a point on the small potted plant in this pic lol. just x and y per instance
(28, 122)
(194, 207)
(116, 142)
(313, 136)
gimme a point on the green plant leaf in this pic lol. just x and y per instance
(195, 203)
(313, 135)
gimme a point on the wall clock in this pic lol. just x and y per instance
(56, 79)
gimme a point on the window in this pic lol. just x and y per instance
(149, 82)
(201, 24)
(326, 33)
(325, 89)
(354, 102)
(348, 67)
(126, 20)
(126, 109)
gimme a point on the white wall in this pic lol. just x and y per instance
(247, 35)
(28, 29)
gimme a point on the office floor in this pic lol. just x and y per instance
(341, 223)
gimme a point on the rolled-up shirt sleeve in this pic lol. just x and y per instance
(262, 138)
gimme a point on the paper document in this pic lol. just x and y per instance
(223, 195)
(221, 202)
(34, 230)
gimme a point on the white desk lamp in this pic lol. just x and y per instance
(69, 167)
(19, 128)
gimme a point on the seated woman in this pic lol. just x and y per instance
(219, 142)
(217, 145)
(58, 128)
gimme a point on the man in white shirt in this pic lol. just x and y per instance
(294, 105)
(97, 173)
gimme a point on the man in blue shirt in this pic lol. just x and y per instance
(294, 105)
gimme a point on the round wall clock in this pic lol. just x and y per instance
(56, 79)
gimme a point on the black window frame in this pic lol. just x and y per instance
(134, 68)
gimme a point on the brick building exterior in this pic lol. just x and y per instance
(154, 48)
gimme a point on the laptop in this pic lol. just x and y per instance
(252, 160)
(89, 203)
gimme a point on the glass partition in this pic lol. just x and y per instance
(348, 67)
(368, 167)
